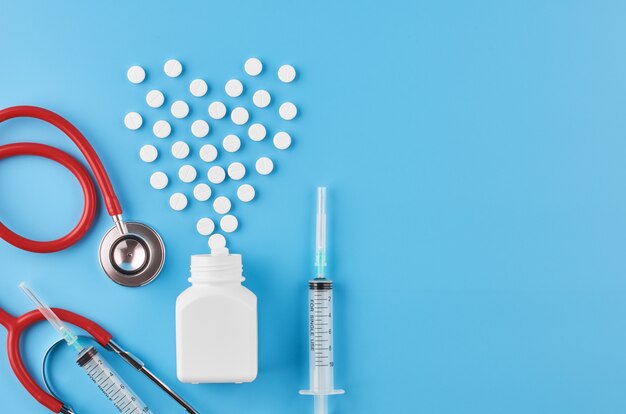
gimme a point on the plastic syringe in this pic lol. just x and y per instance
(95, 366)
(320, 323)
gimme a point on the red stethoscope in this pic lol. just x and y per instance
(17, 326)
(131, 253)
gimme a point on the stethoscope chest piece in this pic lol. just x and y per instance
(132, 257)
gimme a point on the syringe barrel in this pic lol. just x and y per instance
(321, 360)
(110, 383)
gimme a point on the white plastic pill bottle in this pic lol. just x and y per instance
(216, 323)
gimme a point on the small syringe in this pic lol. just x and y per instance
(320, 323)
(90, 360)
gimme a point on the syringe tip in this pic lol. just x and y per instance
(320, 245)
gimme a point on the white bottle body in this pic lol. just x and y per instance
(216, 328)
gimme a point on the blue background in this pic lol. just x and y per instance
(474, 153)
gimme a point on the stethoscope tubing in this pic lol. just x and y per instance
(111, 201)
(16, 326)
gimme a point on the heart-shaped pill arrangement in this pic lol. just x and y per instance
(246, 115)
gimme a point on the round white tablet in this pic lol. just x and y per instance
(257, 132)
(221, 205)
(216, 174)
(187, 173)
(180, 109)
(282, 140)
(288, 111)
(173, 68)
(261, 98)
(178, 201)
(159, 180)
(239, 115)
(200, 128)
(236, 171)
(133, 121)
(229, 223)
(246, 193)
(205, 226)
(208, 153)
(162, 129)
(217, 242)
(198, 87)
(233, 88)
(136, 74)
(231, 143)
(253, 66)
(202, 192)
(264, 166)
(148, 153)
(217, 110)
(180, 150)
(155, 98)
(286, 73)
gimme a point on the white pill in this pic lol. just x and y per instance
(133, 121)
(231, 143)
(187, 173)
(236, 171)
(264, 166)
(205, 226)
(136, 74)
(217, 242)
(159, 180)
(253, 66)
(173, 68)
(148, 153)
(180, 150)
(155, 98)
(208, 153)
(217, 110)
(239, 115)
(198, 87)
(162, 129)
(178, 201)
(200, 128)
(286, 73)
(229, 223)
(180, 109)
(221, 205)
(216, 174)
(282, 140)
(257, 132)
(233, 88)
(288, 111)
(202, 192)
(261, 98)
(246, 193)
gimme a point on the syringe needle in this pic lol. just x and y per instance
(55, 321)
(320, 245)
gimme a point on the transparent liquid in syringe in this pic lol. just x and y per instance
(111, 384)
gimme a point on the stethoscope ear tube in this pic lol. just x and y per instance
(89, 197)
(111, 201)
(28, 148)
(17, 326)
